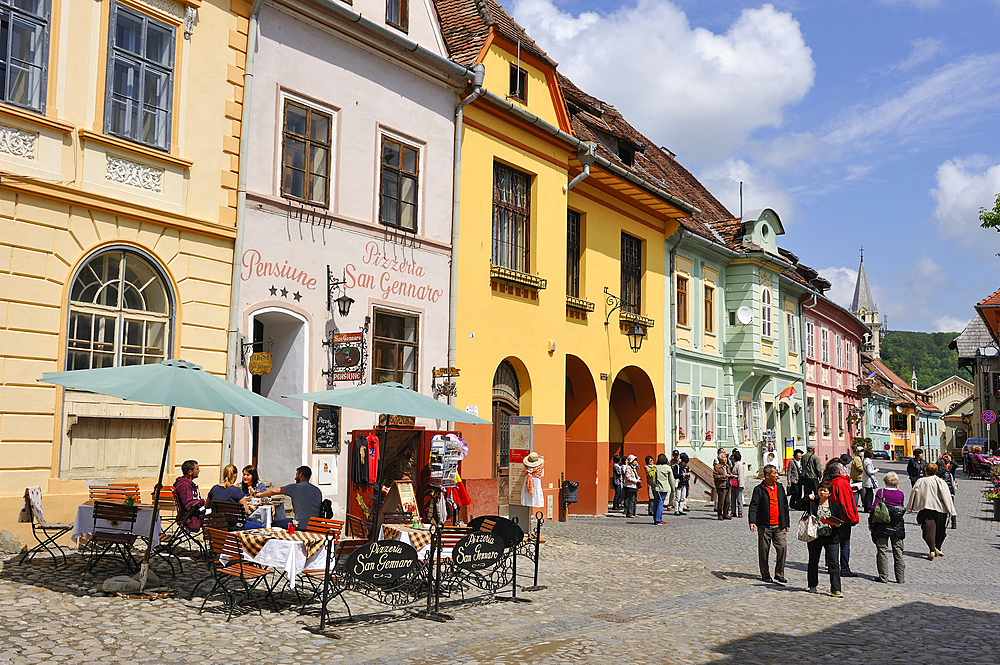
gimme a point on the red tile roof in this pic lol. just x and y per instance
(466, 24)
(990, 301)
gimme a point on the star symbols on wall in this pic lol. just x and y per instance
(274, 290)
(284, 293)
(297, 296)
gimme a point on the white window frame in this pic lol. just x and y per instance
(840, 351)
(824, 341)
(826, 417)
(707, 416)
(745, 418)
(810, 339)
(683, 418)
(793, 346)
(766, 306)
(722, 422)
(143, 65)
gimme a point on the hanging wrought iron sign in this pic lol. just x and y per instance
(382, 562)
(478, 551)
(864, 390)
(260, 363)
(347, 356)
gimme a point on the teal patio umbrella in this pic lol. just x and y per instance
(391, 398)
(170, 383)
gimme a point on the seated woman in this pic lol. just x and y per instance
(230, 491)
(251, 482)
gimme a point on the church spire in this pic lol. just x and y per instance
(864, 308)
(863, 302)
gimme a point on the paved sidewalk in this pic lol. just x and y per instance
(619, 591)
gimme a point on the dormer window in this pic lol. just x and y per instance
(626, 152)
(518, 84)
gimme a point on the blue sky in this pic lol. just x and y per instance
(861, 123)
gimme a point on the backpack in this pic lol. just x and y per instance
(880, 513)
(326, 509)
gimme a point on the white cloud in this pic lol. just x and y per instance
(760, 188)
(924, 49)
(963, 187)
(950, 324)
(964, 89)
(842, 283)
(699, 93)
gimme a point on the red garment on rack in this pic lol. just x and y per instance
(373, 458)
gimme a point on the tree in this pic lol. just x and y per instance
(991, 218)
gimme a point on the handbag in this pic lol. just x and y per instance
(880, 513)
(732, 482)
(808, 528)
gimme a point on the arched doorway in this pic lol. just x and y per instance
(279, 445)
(510, 382)
(632, 420)
(584, 462)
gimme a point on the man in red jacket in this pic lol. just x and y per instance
(844, 495)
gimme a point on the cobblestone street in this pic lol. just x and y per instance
(618, 591)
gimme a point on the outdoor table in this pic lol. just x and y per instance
(84, 524)
(420, 539)
(290, 552)
(267, 513)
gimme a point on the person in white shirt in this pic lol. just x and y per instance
(869, 483)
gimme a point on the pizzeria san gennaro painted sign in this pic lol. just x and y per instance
(478, 551)
(383, 562)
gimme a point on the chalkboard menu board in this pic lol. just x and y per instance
(326, 429)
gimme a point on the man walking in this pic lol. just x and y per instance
(794, 472)
(812, 471)
(915, 467)
(768, 516)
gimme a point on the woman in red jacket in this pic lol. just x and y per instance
(842, 493)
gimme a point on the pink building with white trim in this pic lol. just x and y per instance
(833, 339)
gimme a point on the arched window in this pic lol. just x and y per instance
(506, 403)
(765, 311)
(120, 312)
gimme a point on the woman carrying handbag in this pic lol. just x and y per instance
(830, 515)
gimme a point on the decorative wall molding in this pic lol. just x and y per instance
(175, 9)
(17, 142)
(134, 174)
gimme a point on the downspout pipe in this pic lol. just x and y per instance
(587, 153)
(234, 351)
(479, 74)
(673, 332)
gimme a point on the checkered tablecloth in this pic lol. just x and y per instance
(253, 541)
(419, 538)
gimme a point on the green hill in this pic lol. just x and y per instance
(928, 353)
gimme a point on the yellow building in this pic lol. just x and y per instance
(119, 155)
(541, 271)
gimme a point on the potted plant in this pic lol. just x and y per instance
(680, 433)
(708, 436)
(993, 493)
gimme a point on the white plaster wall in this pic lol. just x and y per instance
(366, 92)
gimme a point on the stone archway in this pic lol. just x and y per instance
(511, 397)
(584, 460)
(632, 426)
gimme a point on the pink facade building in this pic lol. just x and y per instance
(833, 339)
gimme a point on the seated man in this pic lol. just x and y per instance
(306, 498)
(187, 495)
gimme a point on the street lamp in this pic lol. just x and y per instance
(334, 285)
(635, 335)
(344, 303)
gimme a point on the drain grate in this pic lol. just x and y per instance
(612, 617)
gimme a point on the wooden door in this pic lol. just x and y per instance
(502, 412)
